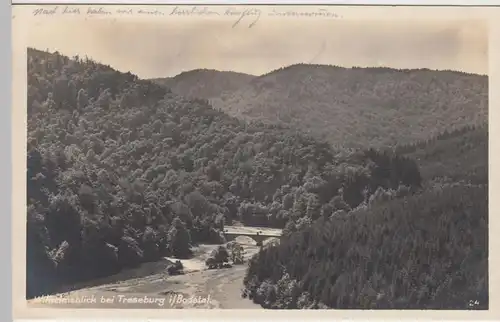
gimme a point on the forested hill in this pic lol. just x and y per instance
(424, 251)
(359, 107)
(205, 83)
(459, 155)
(121, 171)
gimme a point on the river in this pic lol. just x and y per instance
(149, 286)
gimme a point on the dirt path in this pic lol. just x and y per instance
(197, 288)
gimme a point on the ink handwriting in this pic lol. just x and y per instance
(240, 15)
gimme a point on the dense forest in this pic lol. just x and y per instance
(361, 107)
(122, 171)
(428, 250)
(457, 155)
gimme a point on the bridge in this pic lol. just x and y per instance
(259, 234)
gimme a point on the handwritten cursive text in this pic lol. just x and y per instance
(297, 14)
(238, 15)
(71, 11)
(241, 14)
(153, 12)
(48, 12)
(193, 11)
(98, 11)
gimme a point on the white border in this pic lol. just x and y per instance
(352, 2)
(481, 3)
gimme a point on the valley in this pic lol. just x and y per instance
(222, 288)
(374, 179)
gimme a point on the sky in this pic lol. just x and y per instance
(152, 49)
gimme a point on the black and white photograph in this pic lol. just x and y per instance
(255, 158)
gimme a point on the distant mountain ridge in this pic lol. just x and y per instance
(204, 83)
(349, 107)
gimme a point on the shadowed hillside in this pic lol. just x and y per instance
(459, 155)
(424, 251)
(362, 106)
(427, 251)
(205, 83)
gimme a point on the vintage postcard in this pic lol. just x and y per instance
(259, 159)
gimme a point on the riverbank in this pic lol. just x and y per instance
(150, 287)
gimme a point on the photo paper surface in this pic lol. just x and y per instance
(327, 160)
